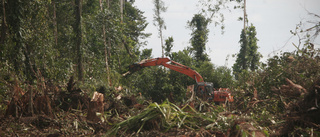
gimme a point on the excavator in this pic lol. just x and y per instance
(203, 90)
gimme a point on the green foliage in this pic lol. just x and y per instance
(167, 116)
(206, 70)
(178, 80)
(153, 83)
(300, 67)
(253, 55)
(276, 105)
(146, 53)
(183, 57)
(168, 47)
(48, 46)
(135, 25)
(158, 83)
(222, 77)
(40, 40)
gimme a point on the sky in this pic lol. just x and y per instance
(273, 20)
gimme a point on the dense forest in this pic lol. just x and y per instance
(62, 63)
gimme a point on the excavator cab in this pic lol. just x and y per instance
(204, 90)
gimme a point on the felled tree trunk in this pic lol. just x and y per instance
(95, 105)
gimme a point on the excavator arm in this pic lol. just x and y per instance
(166, 62)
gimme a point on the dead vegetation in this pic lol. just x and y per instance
(302, 108)
(73, 113)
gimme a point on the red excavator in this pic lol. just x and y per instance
(203, 90)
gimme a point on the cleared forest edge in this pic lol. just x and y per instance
(62, 113)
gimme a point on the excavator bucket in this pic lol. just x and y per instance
(133, 68)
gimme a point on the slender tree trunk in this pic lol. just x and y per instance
(245, 42)
(55, 22)
(3, 29)
(77, 30)
(105, 46)
(161, 38)
(121, 10)
(244, 14)
(4, 25)
(108, 29)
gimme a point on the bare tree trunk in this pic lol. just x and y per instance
(244, 14)
(77, 30)
(245, 42)
(161, 38)
(121, 10)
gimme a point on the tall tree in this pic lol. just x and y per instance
(199, 36)
(105, 44)
(78, 37)
(15, 22)
(248, 57)
(158, 20)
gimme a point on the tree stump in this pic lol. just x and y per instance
(95, 105)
